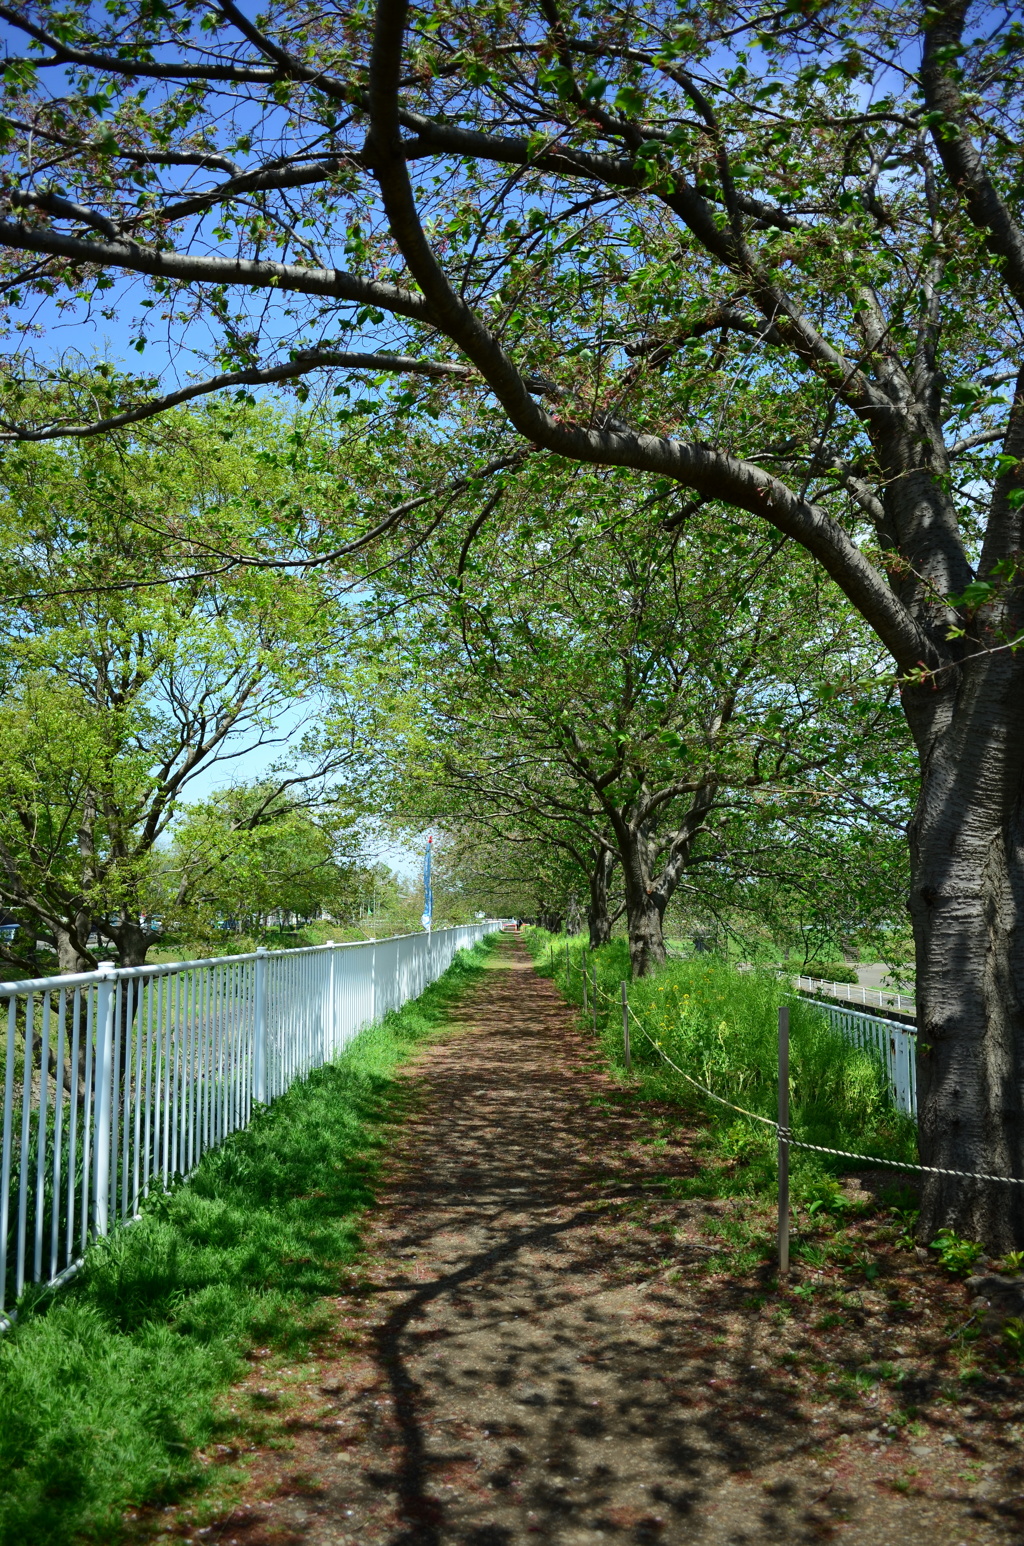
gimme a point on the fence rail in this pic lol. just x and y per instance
(892, 1040)
(854, 993)
(116, 1082)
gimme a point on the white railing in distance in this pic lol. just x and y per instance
(854, 993)
(116, 1082)
(893, 1041)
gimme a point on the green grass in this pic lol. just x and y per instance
(720, 1026)
(109, 1385)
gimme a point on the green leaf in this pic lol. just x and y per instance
(630, 101)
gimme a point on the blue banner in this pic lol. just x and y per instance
(428, 894)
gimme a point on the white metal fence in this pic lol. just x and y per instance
(893, 1041)
(115, 1082)
(855, 993)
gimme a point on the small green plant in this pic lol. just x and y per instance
(862, 1262)
(1013, 1335)
(827, 1197)
(906, 1219)
(1012, 1261)
(817, 1254)
(956, 1254)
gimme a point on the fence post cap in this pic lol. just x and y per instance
(329, 942)
(261, 950)
(106, 967)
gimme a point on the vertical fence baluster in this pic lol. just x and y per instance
(204, 1019)
(181, 1032)
(58, 1133)
(147, 1151)
(165, 1082)
(91, 1002)
(118, 1094)
(783, 1141)
(127, 1009)
(623, 993)
(192, 1064)
(105, 1011)
(260, 1029)
(26, 1119)
(233, 986)
(222, 1021)
(6, 1139)
(73, 1098)
(138, 1021)
(240, 978)
(39, 1221)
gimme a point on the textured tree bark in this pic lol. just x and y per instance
(646, 937)
(967, 906)
(651, 872)
(599, 919)
(133, 942)
(72, 955)
(645, 906)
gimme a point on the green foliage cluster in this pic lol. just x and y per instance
(956, 1254)
(720, 1026)
(247, 852)
(830, 971)
(108, 1388)
(132, 660)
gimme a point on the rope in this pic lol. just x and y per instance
(784, 1134)
(924, 1170)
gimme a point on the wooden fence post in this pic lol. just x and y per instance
(783, 1142)
(625, 1029)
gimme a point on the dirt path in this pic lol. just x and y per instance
(537, 1355)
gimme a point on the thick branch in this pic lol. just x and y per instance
(959, 155)
(302, 365)
(700, 467)
(184, 268)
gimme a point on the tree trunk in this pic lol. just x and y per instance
(644, 906)
(967, 906)
(646, 939)
(133, 942)
(599, 919)
(648, 894)
(73, 954)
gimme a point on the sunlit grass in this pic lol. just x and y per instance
(108, 1386)
(720, 1026)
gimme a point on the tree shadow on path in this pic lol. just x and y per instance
(538, 1354)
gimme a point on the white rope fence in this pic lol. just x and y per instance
(783, 1131)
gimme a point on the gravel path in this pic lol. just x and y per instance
(536, 1352)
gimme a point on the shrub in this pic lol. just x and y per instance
(831, 971)
(956, 1254)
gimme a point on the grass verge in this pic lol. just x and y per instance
(720, 1025)
(110, 1386)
